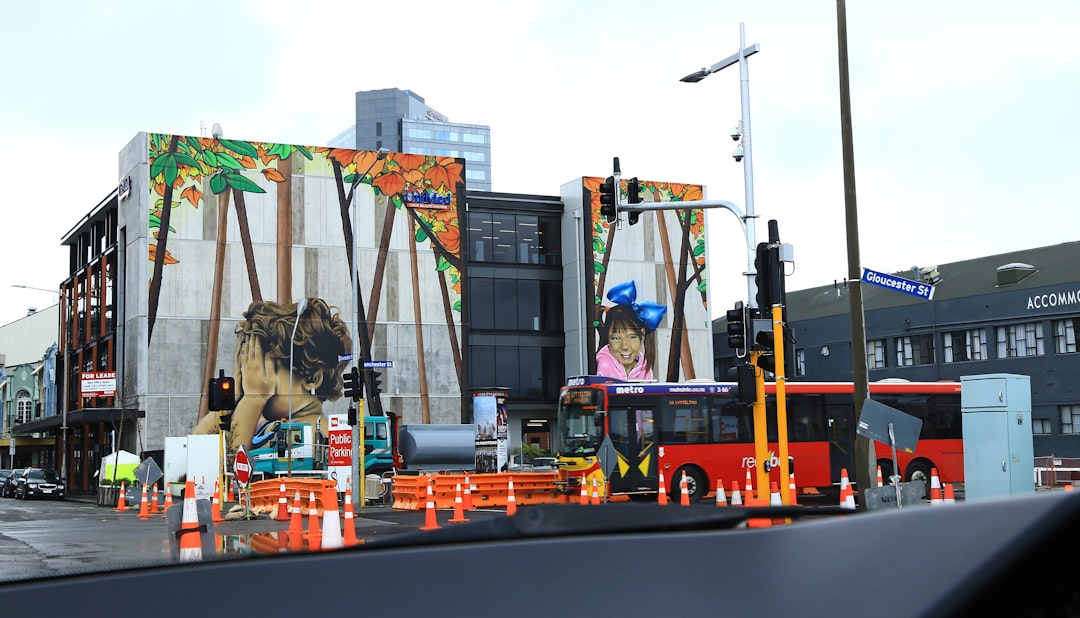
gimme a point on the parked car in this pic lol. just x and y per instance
(5, 476)
(38, 482)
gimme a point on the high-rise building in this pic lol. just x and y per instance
(400, 121)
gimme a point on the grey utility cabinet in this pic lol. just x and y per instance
(999, 456)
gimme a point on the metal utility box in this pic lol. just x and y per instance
(998, 448)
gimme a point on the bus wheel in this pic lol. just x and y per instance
(919, 470)
(696, 485)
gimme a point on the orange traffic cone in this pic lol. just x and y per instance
(296, 525)
(466, 498)
(331, 523)
(935, 488)
(595, 493)
(749, 490)
(847, 496)
(1069, 487)
(793, 494)
(684, 492)
(950, 495)
(880, 482)
(430, 522)
(314, 534)
(661, 496)
(349, 538)
(144, 512)
(511, 501)
(190, 531)
(721, 498)
(774, 495)
(154, 499)
(459, 515)
(283, 504)
(121, 503)
(736, 497)
(168, 502)
(584, 497)
(215, 504)
(758, 522)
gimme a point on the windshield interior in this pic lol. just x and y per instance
(579, 433)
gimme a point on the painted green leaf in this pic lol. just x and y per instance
(186, 159)
(598, 268)
(348, 179)
(209, 158)
(457, 306)
(442, 264)
(193, 142)
(699, 249)
(597, 245)
(239, 181)
(217, 183)
(702, 286)
(421, 235)
(171, 171)
(241, 148)
(305, 152)
(157, 166)
(227, 160)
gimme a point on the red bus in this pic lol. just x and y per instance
(703, 429)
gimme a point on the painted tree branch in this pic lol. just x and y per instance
(160, 251)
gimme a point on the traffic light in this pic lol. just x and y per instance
(609, 206)
(747, 382)
(354, 416)
(764, 267)
(374, 381)
(222, 393)
(353, 390)
(736, 327)
(633, 193)
(224, 420)
(765, 340)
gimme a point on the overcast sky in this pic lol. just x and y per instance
(966, 129)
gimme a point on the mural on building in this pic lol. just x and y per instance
(290, 203)
(676, 290)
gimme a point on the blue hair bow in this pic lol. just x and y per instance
(648, 313)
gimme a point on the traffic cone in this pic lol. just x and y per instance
(121, 503)
(847, 496)
(349, 538)
(880, 482)
(793, 494)
(190, 531)
(466, 497)
(950, 495)
(774, 495)
(1069, 487)
(430, 522)
(661, 496)
(331, 523)
(736, 497)
(749, 490)
(283, 504)
(595, 493)
(296, 525)
(314, 535)
(168, 503)
(684, 492)
(459, 515)
(511, 501)
(721, 498)
(144, 512)
(215, 504)
(584, 498)
(154, 508)
(935, 488)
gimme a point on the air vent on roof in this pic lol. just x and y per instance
(1013, 273)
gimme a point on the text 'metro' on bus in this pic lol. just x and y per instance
(702, 429)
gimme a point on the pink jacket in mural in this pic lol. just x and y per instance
(608, 365)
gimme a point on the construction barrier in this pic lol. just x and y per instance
(265, 494)
(488, 490)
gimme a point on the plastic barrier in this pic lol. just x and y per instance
(265, 494)
(488, 490)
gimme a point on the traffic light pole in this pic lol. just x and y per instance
(761, 431)
(781, 402)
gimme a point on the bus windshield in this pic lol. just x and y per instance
(579, 429)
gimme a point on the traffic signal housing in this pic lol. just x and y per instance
(353, 389)
(609, 206)
(222, 392)
(633, 196)
(736, 327)
(224, 420)
(373, 379)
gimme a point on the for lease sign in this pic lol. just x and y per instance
(97, 384)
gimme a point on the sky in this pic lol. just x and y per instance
(964, 113)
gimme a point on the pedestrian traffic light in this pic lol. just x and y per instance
(633, 196)
(224, 420)
(222, 393)
(609, 206)
(736, 327)
(353, 417)
(353, 390)
(765, 340)
(375, 381)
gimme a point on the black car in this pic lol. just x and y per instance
(5, 476)
(38, 483)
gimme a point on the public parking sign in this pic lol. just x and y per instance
(242, 466)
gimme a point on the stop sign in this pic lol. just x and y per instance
(242, 466)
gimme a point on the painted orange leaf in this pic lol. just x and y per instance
(192, 195)
(169, 259)
(443, 177)
(409, 161)
(693, 192)
(591, 184)
(414, 178)
(366, 160)
(451, 239)
(344, 156)
(273, 174)
(390, 184)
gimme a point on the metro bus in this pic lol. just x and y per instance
(703, 429)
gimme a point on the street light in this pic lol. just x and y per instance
(744, 151)
(300, 308)
(380, 154)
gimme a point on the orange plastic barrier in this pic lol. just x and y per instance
(488, 490)
(265, 494)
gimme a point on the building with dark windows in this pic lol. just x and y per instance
(1015, 313)
(400, 121)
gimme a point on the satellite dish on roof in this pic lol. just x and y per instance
(216, 131)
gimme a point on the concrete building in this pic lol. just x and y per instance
(1016, 313)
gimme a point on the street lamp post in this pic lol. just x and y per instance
(301, 306)
(747, 149)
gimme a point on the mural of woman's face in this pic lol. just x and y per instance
(625, 344)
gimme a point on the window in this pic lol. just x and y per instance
(420, 133)
(1070, 418)
(378, 129)
(800, 362)
(25, 410)
(964, 345)
(1065, 335)
(1020, 340)
(515, 305)
(447, 136)
(875, 354)
(530, 372)
(473, 138)
(1040, 426)
(914, 350)
(514, 239)
(471, 174)
(474, 156)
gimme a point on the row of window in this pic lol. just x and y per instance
(468, 155)
(444, 135)
(1070, 421)
(514, 238)
(1012, 341)
(529, 372)
(515, 304)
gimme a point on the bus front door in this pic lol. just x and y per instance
(633, 435)
(841, 441)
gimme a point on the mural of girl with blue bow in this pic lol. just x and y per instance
(630, 329)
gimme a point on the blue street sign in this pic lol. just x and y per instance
(907, 286)
(344, 358)
(379, 364)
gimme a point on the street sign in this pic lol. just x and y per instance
(379, 364)
(876, 419)
(344, 358)
(242, 466)
(148, 472)
(608, 456)
(907, 286)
